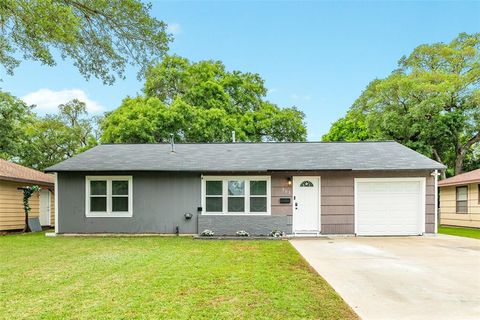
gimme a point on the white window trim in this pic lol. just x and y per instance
(109, 213)
(247, 195)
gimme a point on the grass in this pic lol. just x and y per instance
(461, 232)
(160, 278)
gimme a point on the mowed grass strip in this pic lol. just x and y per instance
(461, 232)
(160, 278)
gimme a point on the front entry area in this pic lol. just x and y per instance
(306, 205)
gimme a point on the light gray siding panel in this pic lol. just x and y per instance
(337, 219)
(337, 228)
(335, 191)
(337, 210)
(337, 200)
(255, 225)
(282, 210)
(160, 201)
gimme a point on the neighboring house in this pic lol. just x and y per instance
(366, 188)
(14, 176)
(460, 200)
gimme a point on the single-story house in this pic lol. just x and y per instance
(460, 200)
(364, 188)
(14, 176)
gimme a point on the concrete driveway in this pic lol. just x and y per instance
(431, 277)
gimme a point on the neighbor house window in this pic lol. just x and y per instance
(462, 199)
(108, 196)
(236, 195)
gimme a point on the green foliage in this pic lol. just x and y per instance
(201, 102)
(101, 36)
(27, 194)
(14, 116)
(460, 232)
(431, 103)
(352, 127)
(54, 138)
(160, 278)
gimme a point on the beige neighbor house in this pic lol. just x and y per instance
(14, 176)
(460, 200)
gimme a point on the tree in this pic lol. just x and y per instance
(27, 193)
(201, 102)
(14, 115)
(101, 36)
(352, 127)
(54, 138)
(431, 103)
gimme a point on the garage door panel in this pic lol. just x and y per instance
(389, 207)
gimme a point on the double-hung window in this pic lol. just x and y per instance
(108, 196)
(462, 200)
(236, 195)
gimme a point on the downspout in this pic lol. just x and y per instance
(436, 202)
(56, 203)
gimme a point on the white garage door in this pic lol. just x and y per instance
(390, 206)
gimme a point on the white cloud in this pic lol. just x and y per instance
(272, 90)
(47, 100)
(301, 97)
(174, 28)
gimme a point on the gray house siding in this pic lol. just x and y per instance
(160, 201)
(337, 196)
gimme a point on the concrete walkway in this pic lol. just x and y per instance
(431, 277)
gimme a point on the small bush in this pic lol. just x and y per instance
(207, 233)
(277, 234)
(242, 233)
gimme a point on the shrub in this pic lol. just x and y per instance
(277, 234)
(242, 233)
(207, 233)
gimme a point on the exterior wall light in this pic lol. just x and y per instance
(289, 179)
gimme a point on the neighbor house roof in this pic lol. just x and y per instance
(15, 172)
(248, 157)
(463, 178)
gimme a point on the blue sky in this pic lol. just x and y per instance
(318, 56)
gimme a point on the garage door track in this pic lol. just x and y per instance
(430, 277)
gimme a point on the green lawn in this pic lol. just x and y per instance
(461, 232)
(160, 277)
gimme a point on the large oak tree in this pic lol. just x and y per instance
(431, 103)
(201, 102)
(101, 37)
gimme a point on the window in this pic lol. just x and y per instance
(236, 195)
(479, 194)
(462, 199)
(109, 196)
(214, 196)
(306, 183)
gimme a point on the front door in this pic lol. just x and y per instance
(44, 207)
(306, 204)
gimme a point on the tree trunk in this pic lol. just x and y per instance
(27, 227)
(461, 151)
(459, 162)
(443, 174)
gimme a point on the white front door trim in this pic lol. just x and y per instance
(44, 208)
(422, 181)
(295, 181)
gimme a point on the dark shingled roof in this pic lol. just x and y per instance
(221, 157)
